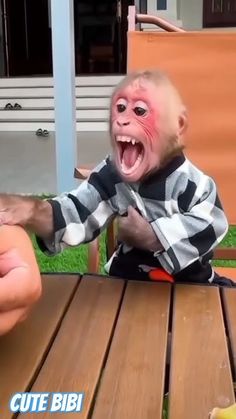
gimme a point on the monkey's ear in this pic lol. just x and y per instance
(183, 122)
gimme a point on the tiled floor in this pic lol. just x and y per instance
(28, 164)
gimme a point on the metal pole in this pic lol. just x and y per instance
(62, 13)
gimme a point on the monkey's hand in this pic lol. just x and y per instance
(135, 231)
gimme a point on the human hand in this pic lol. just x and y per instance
(15, 209)
(20, 282)
(135, 231)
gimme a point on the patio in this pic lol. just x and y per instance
(28, 162)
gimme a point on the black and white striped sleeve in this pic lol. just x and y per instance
(81, 215)
(189, 234)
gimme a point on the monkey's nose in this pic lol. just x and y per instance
(122, 123)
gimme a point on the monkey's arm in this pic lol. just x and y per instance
(188, 236)
(81, 215)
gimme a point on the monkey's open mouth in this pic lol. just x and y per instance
(131, 153)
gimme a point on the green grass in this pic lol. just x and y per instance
(165, 407)
(230, 239)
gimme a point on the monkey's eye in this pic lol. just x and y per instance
(140, 108)
(139, 111)
(121, 105)
(121, 108)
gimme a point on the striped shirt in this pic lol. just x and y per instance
(179, 201)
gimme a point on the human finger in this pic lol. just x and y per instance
(18, 289)
(10, 318)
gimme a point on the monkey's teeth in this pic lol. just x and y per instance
(124, 139)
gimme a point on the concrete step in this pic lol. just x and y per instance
(36, 96)
(48, 81)
(30, 126)
(48, 92)
(48, 103)
(48, 115)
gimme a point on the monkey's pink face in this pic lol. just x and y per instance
(135, 133)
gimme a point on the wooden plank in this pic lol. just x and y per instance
(22, 350)
(229, 300)
(133, 381)
(227, 253)
(200, 376)
(77, 355)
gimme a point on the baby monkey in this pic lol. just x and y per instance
(170, 215)
(171, 218)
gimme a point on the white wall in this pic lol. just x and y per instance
(178, 9)
(185, 13)
(171, 14)
(191, 14)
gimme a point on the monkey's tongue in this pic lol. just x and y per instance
(130, 154)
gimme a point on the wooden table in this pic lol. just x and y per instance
(124, 344)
